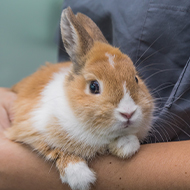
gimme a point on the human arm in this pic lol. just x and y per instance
(155, 166)
(6, 102)
(20, 168)
(161, 165)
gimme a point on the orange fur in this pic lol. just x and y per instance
(30, 88)
(28, 91)
(88, 49)
(98, 65)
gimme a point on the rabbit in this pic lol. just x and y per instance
(70, 112)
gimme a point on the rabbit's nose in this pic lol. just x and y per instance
(127, 115)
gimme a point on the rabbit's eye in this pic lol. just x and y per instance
(94, 87)
(136, 79)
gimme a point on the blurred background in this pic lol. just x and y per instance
(28, 32)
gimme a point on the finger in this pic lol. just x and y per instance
(4, 119)
(9, 105)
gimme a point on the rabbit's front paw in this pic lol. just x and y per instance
(125, 147)
(78, 176)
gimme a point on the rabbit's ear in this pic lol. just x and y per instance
(76, 39)
(91, 28)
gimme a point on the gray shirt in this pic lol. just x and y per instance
(155, 34)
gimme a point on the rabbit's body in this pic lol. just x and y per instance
(43, 115)
(69, 112)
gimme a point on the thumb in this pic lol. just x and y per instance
(4, 119)
(9, 105)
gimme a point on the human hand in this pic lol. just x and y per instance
(7, 99)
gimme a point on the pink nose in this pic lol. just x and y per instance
(127, 115)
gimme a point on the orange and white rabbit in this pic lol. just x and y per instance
(69, 112)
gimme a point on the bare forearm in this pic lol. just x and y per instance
(155, 166)
(22, 169)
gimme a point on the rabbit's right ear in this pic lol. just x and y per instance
(76, 39)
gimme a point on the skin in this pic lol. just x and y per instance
(155, 166)
(6, 102)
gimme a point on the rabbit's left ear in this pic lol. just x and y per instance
(76, 39)
(91, 28)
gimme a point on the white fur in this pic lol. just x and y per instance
(128, 144)
(111, 59)
(54, 103)
(127, 105)
(78, 176)
(51, 101)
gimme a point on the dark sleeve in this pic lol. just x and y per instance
(155, 35)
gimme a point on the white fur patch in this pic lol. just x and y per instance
(51, 102)
(126, 105)
(128, 144)
(78, 176)
(111, 59)
(54, 103)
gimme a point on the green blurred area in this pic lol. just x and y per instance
(27, 37)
